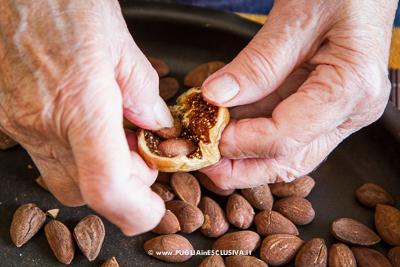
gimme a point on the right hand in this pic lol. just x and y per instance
(69, 72)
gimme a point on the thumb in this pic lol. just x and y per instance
(111, 181)
(280, 46)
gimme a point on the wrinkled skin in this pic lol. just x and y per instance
(69, 70)
(314, 74)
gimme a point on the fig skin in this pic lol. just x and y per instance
(209, 151)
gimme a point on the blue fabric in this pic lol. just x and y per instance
(249, 6)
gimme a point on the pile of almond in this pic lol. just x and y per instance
(274, 220)
(88, 233)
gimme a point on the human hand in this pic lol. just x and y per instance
(69, 71)
(314, 74)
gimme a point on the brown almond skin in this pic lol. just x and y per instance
(297, 209)
(163, 191)
(353, 232)
(210, 186)
(176, 147)
(301, 187)
(168, 87)
(60, 241)
(215, 223)
(26, 222)
(394, 256)
(272, 222)
(244, 261)
(370, 195)
(172, 243)
(367, 257)
(239, 211)
(172, 132)
(89, 235)
(6, 142)
(186, 187)
(313, 253)
(189, 216)
(260, 197)
(280, 249)
(198, 75)
(169, 224)
(387, 223)
(111, 262)
(160, 66)
(341, 255)
(240, 240)
(212, 261)
(163, 178)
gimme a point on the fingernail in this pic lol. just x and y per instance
(221, 89)
(163, 115)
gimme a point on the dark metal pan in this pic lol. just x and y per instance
(185, 37)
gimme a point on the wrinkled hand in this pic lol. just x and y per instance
(314, 74)
(69, 71)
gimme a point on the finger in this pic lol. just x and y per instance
(108, 174)
(58, 181)
(279, 47)
(264, 107)
(246, 173)
(139, 84)
(322, 103)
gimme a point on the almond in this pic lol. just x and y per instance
(160, 66)
(111, 262)
(387, 223)
(340, 255)
(239, 211)
(215, 223)
(175, 248)
(169, 224)
(89, 235)
(260, 197)
(242, 240)
(172, 132)
(244, 261)
(280, 249)
(168, 87)
(367, 257)
(301, 187)
(353, 232)
(189, 216)
(210, 186)
(26, 222)
(163, 191)
(163, 178)
(176, 147)
(394, 256)
(370, 195)
(297, 209)
(198, 75)
(60, 241)
(212, 261)
(272, 222)
(186, 187)
(313, 253)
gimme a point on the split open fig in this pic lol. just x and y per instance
(193, 142)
